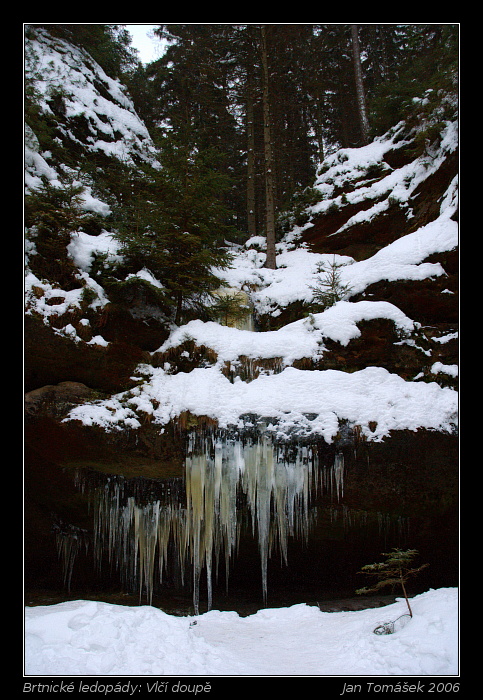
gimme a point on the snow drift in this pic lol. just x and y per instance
(90, 638)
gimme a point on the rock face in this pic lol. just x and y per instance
(402, 492)
(51, 358)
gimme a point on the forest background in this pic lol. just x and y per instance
(242, 116)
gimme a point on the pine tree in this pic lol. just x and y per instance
(329, 289)
(53, 212)
(211, 87)
(249, 93)
(195, 82)
(394, 571)
(333, 85)
(423, 62)
(175, 224)
(269, 174)
(361, 96)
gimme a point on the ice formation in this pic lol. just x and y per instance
(194, 523)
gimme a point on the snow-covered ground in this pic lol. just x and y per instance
(88, 638)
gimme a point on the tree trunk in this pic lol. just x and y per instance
(361, 98)
(251, 198)
(179, 308)
(405, 594)
(269, 175)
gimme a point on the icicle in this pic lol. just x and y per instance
(69, 540)
(339, 474)
(139, 523)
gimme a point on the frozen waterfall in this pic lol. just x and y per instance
(193, 523)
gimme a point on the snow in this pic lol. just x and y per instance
(370, 396)
(83, 246)
(302, 338)
(446, 369)
(292, 280)
(403, 259)
(53, 65)
(296, 271)
(147, 276)
(39, 293)
(397, 184)
(299, 401)
(88, 638)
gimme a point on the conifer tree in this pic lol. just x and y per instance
(211, 84)
(329, 288)
(175, 224)
(394, 571)
(361, 96)
(249, 93)
(419, 58)
(269, 174)
(53, 212)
